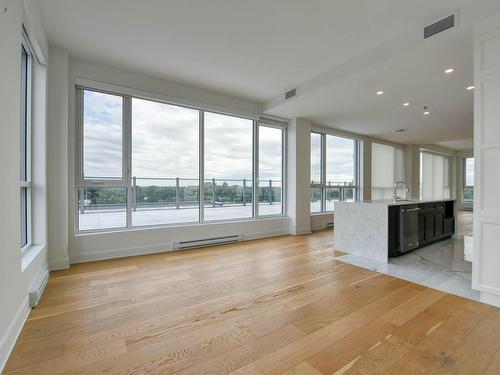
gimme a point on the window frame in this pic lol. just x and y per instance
(395, 171)
(126, 181)
(201, 159)
(464, 184)
(323, 184)
(274, 125)
(25, 163)
(447, 178)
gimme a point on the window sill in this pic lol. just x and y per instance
(182, 225)
(29, 255)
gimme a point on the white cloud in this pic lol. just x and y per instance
(165, 142)
(340, 166)
(340, 159)
(469, 171)
(102, 139)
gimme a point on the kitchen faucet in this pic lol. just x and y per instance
(395, 196)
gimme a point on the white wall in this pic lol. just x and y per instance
(299, 161)
(57, 156)
(412, 169)
(486, 256)
(18, 273)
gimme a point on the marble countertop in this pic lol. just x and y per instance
(391, 202)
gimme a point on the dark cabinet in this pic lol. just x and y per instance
(421, 228)
(409, 228)
(449, 226)
(429, 225)
(438, 222)
(417, 225)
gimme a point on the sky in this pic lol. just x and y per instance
(339, 159)
(102, 139)
(165, 142)
(469, 171)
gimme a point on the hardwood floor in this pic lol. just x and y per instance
(275, 306)
(464, 223)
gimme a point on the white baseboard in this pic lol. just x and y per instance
(299, 231)
(490, 299)
(58, 264)
(158, 248)
(319, 227)
(9, 338)
(120, 253)
(274, 233)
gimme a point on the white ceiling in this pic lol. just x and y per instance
(258, 49)
(459, 145)
(416, 75)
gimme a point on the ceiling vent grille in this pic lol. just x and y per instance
(290, 94)
(439, 26)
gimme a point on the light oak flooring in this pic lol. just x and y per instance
(275, 306)
(464, 223)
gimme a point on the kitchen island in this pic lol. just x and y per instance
(379, 229)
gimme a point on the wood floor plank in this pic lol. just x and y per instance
(270, 306)
(404, 312)
(303, 368)
(340, 354)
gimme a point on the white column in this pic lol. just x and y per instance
(57, 156)
(412, 170)
(486, 260)
(365, 173)
(298, 175)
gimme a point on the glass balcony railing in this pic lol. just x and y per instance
(331, 192)
(159, 201)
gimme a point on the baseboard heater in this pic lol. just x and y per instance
(329, 225)
(207, 242)
(36, 292)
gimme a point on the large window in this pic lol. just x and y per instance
(468, 179)
(334, 172)
(148, 163)
(165, 163)
(270, 170)
(434, 176)
(228, 167)
(25, 147)
(387, 169)
(102, 198)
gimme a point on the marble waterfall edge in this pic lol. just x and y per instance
(361, 229)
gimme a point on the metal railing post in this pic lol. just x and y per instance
(244, 195)
(270, 191)
(82, 201)
(134, 193)
(213, 192)
(177, 193)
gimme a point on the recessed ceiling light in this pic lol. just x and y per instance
(406, 104)
(470, 88)
(380, 92)
(426, 111)
(449, 70)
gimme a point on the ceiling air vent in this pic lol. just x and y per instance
(290, 94)
(439, 26)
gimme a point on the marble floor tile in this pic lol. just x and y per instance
(443, 266)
